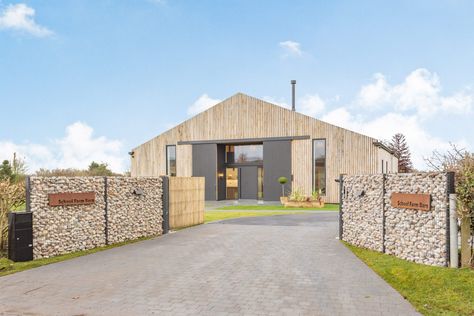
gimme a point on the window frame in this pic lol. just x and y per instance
(314, 166)
(167, 160)
(248, 163)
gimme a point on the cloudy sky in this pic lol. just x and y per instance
(89, 80)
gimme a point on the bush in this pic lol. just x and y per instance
(297, 195)
(12, 196)
(94, 169)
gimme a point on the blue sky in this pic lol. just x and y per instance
(89, 80)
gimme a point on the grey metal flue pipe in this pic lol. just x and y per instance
(293, 84)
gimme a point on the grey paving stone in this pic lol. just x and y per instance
(288, 264)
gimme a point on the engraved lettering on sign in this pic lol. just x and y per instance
(411, 201)
(65, 199)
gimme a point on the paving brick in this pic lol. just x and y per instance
(283, 265)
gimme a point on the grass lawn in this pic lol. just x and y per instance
(9, 267)
(432, 290)
(210, 216)
(20, 208)
(327, 207)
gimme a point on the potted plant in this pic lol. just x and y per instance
(296, 199)
(283, 181)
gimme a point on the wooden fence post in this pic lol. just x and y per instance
(465, 236)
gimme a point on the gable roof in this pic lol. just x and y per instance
(244, 100)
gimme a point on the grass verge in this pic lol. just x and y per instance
(9, 267)
(432, 290)
(327, 207)
(210, 216)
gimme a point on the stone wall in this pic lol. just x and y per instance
(63, 229)
(362, 216)
(132, 216)
(369, 220)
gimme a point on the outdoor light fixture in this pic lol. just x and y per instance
(131, 153)
(138, 191)
(220, 175)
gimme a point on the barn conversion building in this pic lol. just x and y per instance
(242, 145)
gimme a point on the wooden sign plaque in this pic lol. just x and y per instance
(412, 201)
(65, 199)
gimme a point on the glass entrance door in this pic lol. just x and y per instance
(232, 183)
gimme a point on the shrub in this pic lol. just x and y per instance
(12, 196)
(297, 195)
(282, 181)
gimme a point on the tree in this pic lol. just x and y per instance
(282, 181)
(461, 162)
(96, 169)
(19, 168)
(14, 171)
(399, 146)
(6, 171)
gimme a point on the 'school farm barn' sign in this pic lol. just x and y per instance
(65, 199)
(411, 201)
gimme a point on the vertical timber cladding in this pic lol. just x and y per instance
(241, 117)
(205, 165)
(276, 163)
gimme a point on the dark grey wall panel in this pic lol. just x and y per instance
(276, 163)
(205, 165)
(221, 184)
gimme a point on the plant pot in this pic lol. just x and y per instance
(317, 204)
(283, 200)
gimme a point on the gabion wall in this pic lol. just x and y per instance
(63, 229)
(369, 221)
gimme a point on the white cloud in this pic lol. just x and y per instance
(419, 93)
(311, 105)
(381, 110)
(421, 143)
(459, 103)
(20, 17)
(291, 48)
(281, 102)
(77, 149)
(201, 104)
(375, 94)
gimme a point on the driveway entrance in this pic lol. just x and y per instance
(287, 264)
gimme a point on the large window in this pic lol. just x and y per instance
(244, 154)
(171, 160)
(319, 165)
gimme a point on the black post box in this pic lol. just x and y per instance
(20, 236)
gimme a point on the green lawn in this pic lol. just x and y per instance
(9, 267)
(327, 207)
(432, 290)
(20, 208)
(210, 216)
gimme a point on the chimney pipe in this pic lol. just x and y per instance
(293, 84)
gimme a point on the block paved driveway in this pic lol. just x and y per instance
(286, 264)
